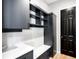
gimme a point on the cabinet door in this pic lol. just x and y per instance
(48, 31)
(54, 34)
(15, 14)
(44, 56)
(26, 56)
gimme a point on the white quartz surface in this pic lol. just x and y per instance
(23, 49)
(19, 51)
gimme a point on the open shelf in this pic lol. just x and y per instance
(34, 16)
(36, 25)
(38, 17)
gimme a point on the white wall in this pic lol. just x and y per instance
(55, 8)
(10, 39)
(41, 4)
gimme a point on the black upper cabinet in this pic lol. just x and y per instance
(15, 14)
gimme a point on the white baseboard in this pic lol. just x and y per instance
(58, 52)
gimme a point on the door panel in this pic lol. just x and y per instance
(68, 32)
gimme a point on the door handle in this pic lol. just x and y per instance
(71, 36)
(70, 40)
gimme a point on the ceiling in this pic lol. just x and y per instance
(49, 1)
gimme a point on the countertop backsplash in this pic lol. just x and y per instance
(31, 35)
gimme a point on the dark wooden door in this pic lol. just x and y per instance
(68, 31)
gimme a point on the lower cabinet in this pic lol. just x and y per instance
(26, 56)
(46, 54)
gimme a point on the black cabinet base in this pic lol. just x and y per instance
(47, 54)
(28, 55)
(11, 30)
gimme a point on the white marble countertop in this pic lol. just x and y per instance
(17, 52)
(23, 49)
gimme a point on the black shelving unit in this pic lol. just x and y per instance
(39, 16)
(33, 16)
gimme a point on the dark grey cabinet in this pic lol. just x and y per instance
(45, 55)
(54, 34)
(15, 14)
(26, 56)
(50, 33)
(50, 30)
